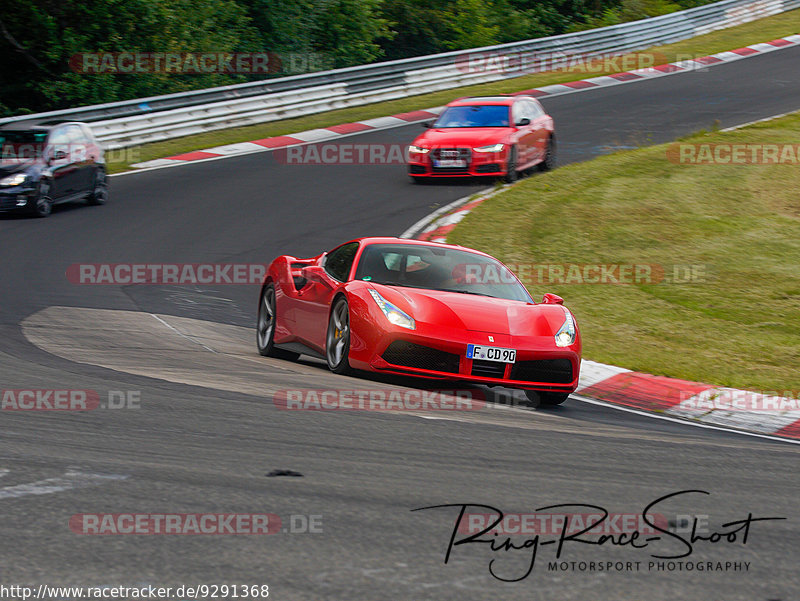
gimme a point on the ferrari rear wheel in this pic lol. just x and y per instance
(546, 398)
(265, 328)
(337, 342)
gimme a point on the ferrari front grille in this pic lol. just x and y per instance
(552, 371)
(409, 354)
(488, 369)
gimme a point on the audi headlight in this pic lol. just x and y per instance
(392, 313)
(490, 148)
(566, 333)
(14, 180)
(418, 149)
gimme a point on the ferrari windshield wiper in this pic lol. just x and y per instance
(392, 283)
(464, 292)
(405, 285)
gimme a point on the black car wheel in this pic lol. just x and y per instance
(265, 328)
(43, 203)
(99, 193)
(337, 342)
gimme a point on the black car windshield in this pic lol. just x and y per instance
(21, 146)
(437, 268)
(485, 115)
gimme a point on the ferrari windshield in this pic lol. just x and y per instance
(485, 115)
(438, 268)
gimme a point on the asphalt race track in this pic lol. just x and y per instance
(204, 432)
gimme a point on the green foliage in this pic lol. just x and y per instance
(633, 10)
(470, 25)
(38, 37)
(348, 31)
(50, 32)
(282, 25)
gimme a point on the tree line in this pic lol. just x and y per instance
(45, 43)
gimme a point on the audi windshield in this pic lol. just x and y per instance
(485, 115)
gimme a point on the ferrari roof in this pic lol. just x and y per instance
(410, 242)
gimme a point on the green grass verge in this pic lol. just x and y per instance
(740, 327)
(762, 30)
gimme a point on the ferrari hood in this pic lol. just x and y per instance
(476, 313)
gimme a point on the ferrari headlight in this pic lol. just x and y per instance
(14, 180)
(392, 313)
(566, 333)
(418, 149)
(490, 148)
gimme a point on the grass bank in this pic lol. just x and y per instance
(738, 324)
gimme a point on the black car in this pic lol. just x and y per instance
(43, 164)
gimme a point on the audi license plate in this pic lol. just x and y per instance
(491, 353)
(450, 163)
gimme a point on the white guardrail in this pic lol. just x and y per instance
(133, 122)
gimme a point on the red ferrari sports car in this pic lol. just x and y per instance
(422, 309)
(488, 136)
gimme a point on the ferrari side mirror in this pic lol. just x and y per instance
(552, 299)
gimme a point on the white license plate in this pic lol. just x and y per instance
(450, 163)
(491, 353)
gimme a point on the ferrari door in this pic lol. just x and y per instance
(314, 299)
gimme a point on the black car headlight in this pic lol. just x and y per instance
(14, 180)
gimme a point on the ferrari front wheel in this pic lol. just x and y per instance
(337, 342)
(546, 398)
(265, 328)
